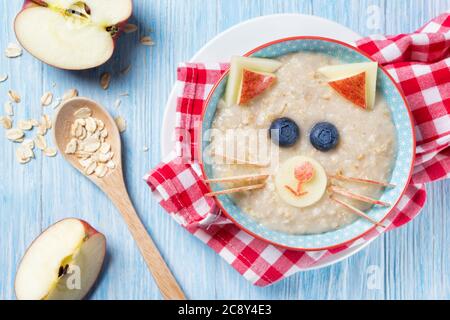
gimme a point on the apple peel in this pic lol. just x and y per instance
(343, 71)
(231, 96)
(352, 89)
(254, 84)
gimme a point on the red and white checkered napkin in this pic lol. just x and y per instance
(420, 62)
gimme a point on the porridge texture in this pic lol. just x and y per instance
(367, 146)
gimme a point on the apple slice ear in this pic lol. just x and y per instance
(254, 84)
(238, 64)
(353, 89)
(342, 71)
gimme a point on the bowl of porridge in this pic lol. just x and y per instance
(307, 143)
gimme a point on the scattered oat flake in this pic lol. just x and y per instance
(8, 108)
(42, 129)
(69, 94)
(3, 78)
(130, 28)
(89, 145)
(46, 99)
(147, 41)
(124, 94)
(13, 50)
(117, 103)
(83, 113)
(91, 168)
(28, 143)
(85, 162)
(72, 146)
(121, 124)
(101, 170)
(25, 125)
(105, 80)
(105, 148)
(14, 96)
(14, 134)
(40, 142)
(111, 164)
(45, 120)
(6, 122)
(91, 125)
(50, 152)
(24, 154)
(145, 149)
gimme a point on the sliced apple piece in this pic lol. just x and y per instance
(62, 263)
(71, 34)
(353, 89)
(254, 84)
(238, 64)
(344, 71)
(312, 189)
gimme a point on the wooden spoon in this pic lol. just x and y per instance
(113, 184)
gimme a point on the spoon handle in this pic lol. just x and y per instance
(164, 278)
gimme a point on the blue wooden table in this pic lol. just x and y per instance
(411, 263)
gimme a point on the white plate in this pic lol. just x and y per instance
(244, 37)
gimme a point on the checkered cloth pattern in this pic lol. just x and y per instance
(419, 62)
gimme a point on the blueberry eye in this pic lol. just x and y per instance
(324, 136)
(284, 132)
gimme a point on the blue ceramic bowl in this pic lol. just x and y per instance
(402, 169)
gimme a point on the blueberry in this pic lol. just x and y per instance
(324, 136)
(284, 132)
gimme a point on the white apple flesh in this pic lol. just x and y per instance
(71, 34)
(63, 263)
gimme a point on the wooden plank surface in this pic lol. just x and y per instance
(409, 263)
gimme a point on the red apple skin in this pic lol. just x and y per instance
(254, 84)
(34, 3)
(90, 231)
(352, 89)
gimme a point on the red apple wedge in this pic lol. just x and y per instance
(71, 34)
(254, 84)
(238, 64)
(63, 263)
(353, 89)
(344, 71)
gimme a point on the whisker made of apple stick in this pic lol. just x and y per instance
(354, 196)
(358, 212)
(246, 178)
(360, 180)
(236, 190)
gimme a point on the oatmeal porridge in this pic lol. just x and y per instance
(366, 148)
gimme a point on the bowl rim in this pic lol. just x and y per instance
(257, 236)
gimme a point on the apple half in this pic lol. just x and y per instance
(63, 263)
(254, 84)
(71, 34)
(345, 71)
(238, 64)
